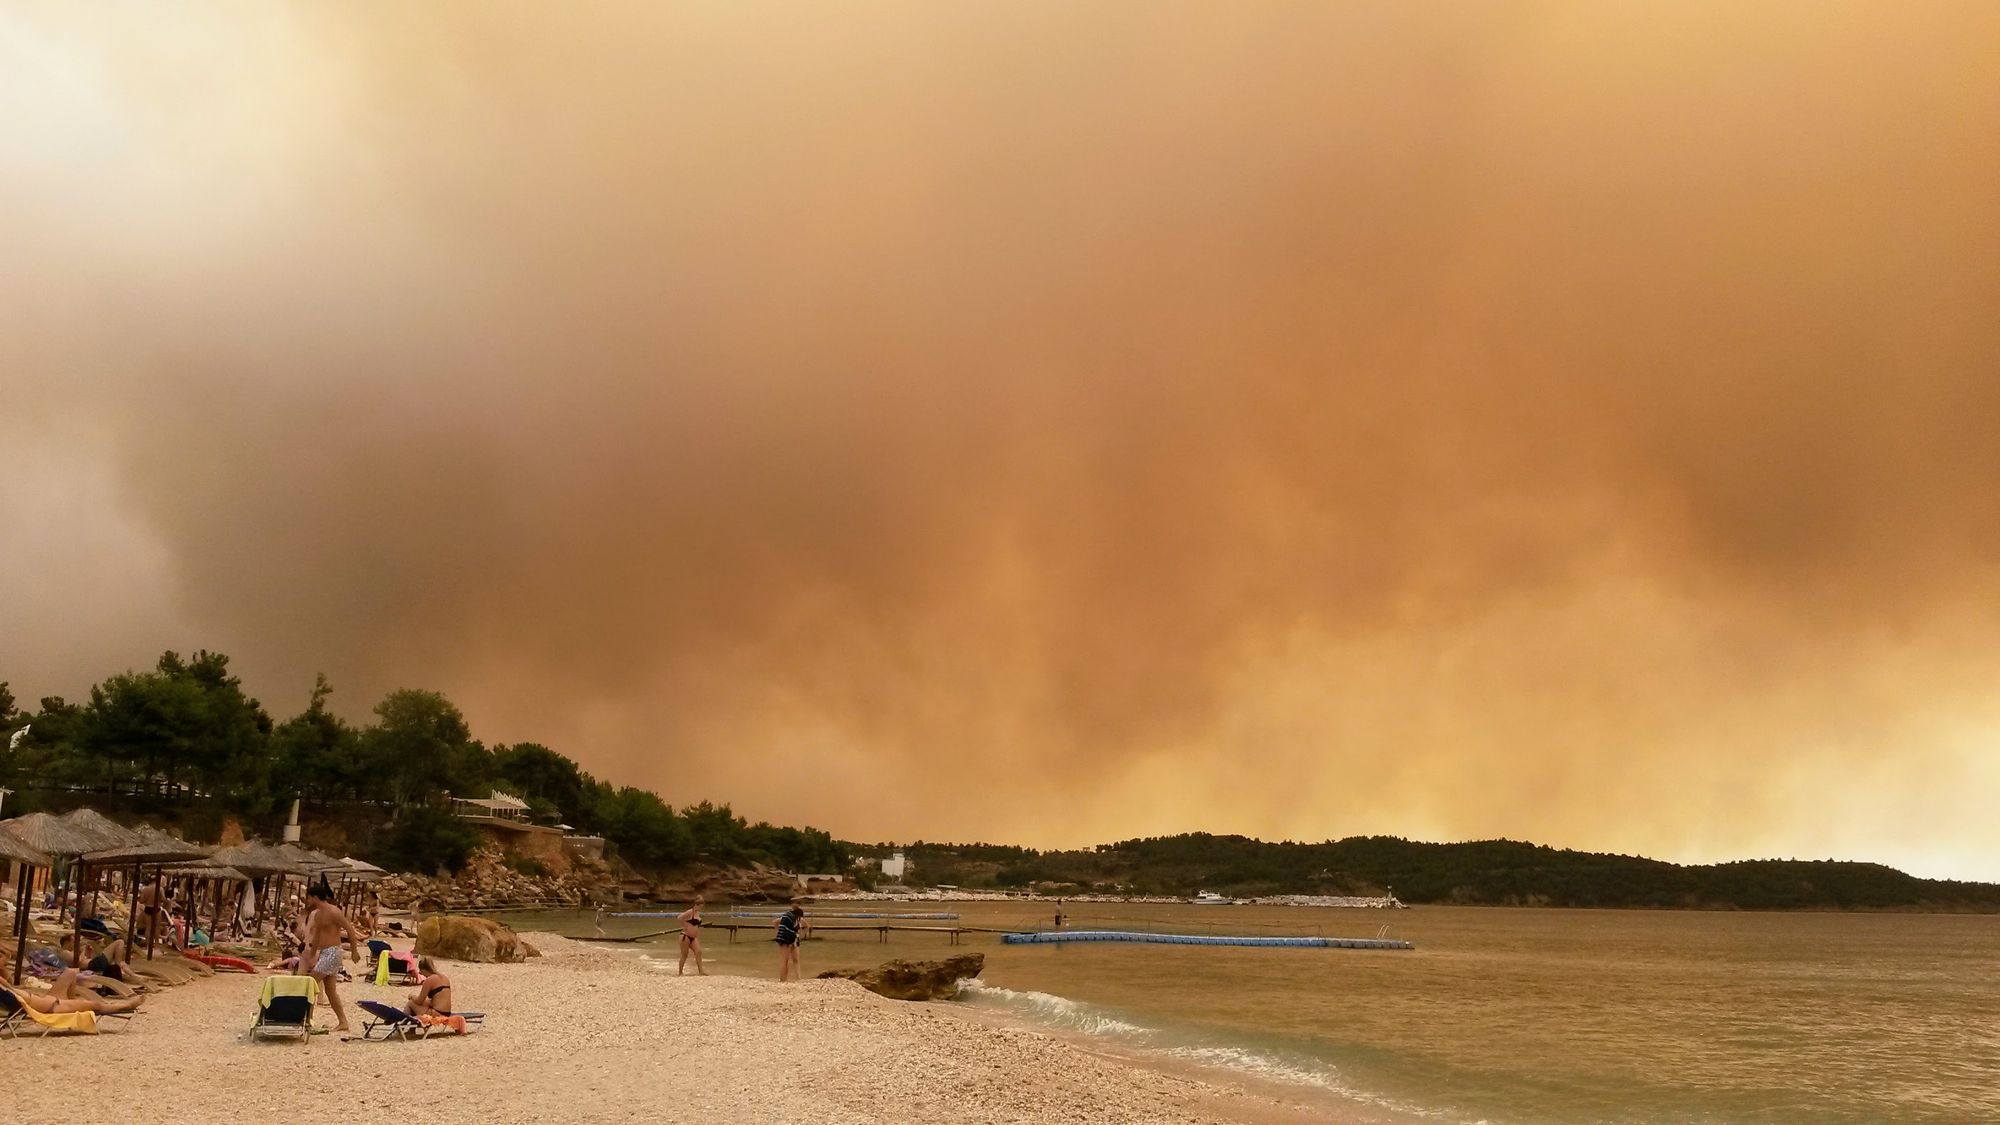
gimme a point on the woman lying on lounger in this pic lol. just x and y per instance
(433, 994)
(66, 996)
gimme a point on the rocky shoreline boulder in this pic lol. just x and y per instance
(915, 980)
(456, 937)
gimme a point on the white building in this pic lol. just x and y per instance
(895, 866)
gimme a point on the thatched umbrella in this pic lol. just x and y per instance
(154, 848)
(260, 861)
(206, 878)
(311, 862)
(134, 846)
(12, 850)
(57, 838)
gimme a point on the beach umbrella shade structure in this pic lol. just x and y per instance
(259, 861)
(61, 837)
(312, 862)
(154, 848)
(13, 850)
(133, 847)
(209, 879)
(359, 874)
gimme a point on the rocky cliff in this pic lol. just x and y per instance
(489, 881)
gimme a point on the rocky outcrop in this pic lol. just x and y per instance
(915, 980)
(455, 937)
(756, 883)
(489, 880)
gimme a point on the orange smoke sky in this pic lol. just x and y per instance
(1042, 422)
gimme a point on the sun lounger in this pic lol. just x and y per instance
(17, 1018)
(395, 968)
(285, 1008)
(395, 1023)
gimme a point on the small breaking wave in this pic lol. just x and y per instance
(1063, 1014)
(1058, 1011)
(1263, 1066)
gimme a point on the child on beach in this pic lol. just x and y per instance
(792, 929)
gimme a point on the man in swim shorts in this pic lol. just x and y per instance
(325, 926)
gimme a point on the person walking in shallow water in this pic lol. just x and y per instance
(792, 930)
(690, 920)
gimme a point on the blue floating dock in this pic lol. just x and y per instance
(776, 913)
(1060, 937)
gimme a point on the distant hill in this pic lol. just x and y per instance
(1483, 872)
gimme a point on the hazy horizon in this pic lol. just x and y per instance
(1046, 425)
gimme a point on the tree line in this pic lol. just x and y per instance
(1484, 872)
(185, 736)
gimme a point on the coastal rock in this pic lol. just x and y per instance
(455, 937)
(490, 879)
(756, 883)
(915, 980)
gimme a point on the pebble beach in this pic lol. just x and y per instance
(589, 1034)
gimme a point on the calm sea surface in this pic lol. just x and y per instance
(1502, 1015)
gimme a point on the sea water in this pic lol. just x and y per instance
(1503, 1015)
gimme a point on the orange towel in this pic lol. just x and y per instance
(456, 1023)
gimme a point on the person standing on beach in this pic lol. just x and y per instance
(1059, 914)
(690, 920)
(325, 925)
(792, 929)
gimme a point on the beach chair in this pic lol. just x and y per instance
(395, 1023)
(16, 1018)
(285, 1008)
(395, 968)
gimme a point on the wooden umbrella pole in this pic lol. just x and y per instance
(131, 917)
(153, 926)
(76, 939)
(22, 896)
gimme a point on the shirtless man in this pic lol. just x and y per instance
(325, 925)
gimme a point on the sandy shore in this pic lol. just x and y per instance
(586, 1034)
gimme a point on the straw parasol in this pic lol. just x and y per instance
(53, 838)
(256, 860)
(12, 850)
(52, 835)
(114, 834)
(362, 870)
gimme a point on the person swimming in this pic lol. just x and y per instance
(690, 920)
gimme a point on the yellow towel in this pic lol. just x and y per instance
(83, 1023)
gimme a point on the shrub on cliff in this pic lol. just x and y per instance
(426, 840)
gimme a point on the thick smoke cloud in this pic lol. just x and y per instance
(1569, 422)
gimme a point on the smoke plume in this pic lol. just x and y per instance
(1045, 422)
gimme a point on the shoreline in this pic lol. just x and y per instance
(589, 1034)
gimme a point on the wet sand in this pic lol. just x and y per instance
(587, 1034)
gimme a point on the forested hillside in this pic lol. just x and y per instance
(182, 739)
(1496, 872)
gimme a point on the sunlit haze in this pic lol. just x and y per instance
(1045, 423)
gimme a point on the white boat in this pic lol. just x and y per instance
(1210, 898)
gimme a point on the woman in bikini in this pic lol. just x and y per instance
(690, 920)
(68, 995)
(433, 995)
